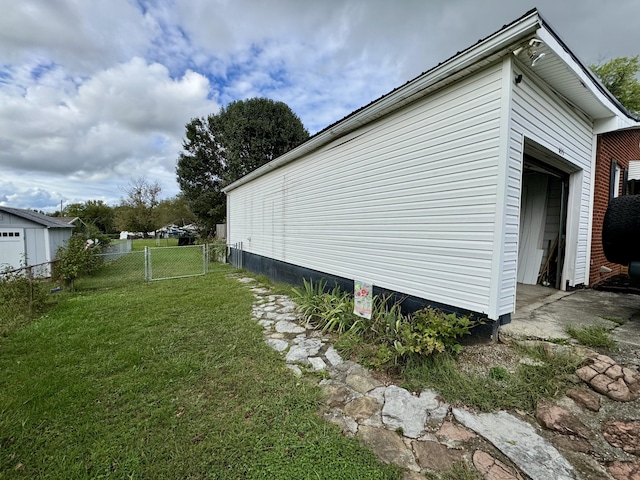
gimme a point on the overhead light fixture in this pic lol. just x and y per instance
(532, 53)
(535, 58)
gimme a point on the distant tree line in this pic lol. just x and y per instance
(141, 210)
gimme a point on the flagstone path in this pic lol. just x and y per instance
(416, 430)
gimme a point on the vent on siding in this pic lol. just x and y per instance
(634, 170)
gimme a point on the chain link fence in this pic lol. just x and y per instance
(24, 294)
(163, 263)
(121, 266)
(235, 254)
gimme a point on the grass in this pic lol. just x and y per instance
(500, 389)
(619, 321)
(277, 288)
(138, 244)
(162, 380)
(594, 336)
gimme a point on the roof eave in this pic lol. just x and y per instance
(624, 118)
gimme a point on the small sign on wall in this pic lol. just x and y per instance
(362, 298)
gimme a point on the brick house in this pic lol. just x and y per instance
(617, 172)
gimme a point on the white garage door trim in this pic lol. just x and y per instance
(12, 247)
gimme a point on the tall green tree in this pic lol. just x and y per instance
(138, 211)
(93, 212)
(175, 210)
(223, 147)
(620, 76)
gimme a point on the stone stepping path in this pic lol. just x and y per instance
(416, 430)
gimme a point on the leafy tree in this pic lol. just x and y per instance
(226, 146)
(138, 211)
(93, 212)
(619, 75)
(176, 211)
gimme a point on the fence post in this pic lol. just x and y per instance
(30, 275)
(205, 258)
(147, 264)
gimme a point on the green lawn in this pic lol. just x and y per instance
(158, 380)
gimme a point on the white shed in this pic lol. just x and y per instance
(447, 190)
(30, 238)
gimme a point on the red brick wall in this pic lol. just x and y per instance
(621, 146)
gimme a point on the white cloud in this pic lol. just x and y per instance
(110, 119)
(82, 36)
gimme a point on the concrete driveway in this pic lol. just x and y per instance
(544, 313)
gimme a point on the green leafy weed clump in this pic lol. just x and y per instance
(389, 337)
(594, 336)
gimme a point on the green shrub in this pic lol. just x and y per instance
(218, 250)
(431, 331)
(389, 337)
(77, 257)
(327, 311)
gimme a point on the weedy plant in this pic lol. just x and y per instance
(546, 377)
(327, 311)
(21, 298)
(594, 336)
(431, 331)
(389, 337)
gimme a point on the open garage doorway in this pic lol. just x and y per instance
(543, 222)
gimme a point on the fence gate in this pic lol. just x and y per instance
(162, 263)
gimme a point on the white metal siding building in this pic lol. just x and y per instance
(30, 238)
(420, 192)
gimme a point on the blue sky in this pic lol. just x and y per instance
(96, 93)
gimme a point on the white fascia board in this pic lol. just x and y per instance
(587, 80)
(489, 49)
(612, 124)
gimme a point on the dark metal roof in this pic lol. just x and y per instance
(39, 218)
